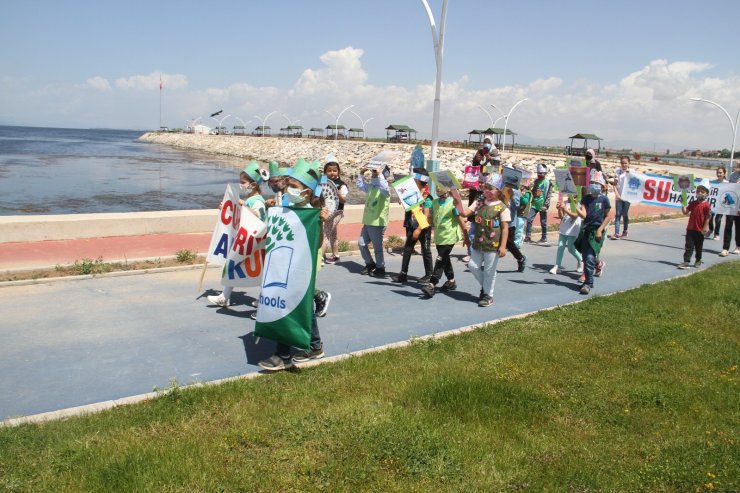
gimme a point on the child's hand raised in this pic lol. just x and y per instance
(324, 214)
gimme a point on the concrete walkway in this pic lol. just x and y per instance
(75, 342)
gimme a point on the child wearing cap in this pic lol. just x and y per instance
(594, 210)
(250, 179)
(699, 213)
(333, 173)
(541, 193)
(491, 217)
(374, 219)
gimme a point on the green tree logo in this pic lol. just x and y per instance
(277, 229)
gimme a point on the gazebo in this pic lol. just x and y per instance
(498, 136)
(239, 130)
(336, 132)
(294, 131)
(316, 132)
(402, 133)
(571, 150)
(261, 130)
(475, 137)
(356, 133)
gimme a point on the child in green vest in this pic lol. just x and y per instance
(491, 217)
(374, 219)
(449, 228)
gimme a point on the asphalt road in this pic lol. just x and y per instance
(75, 342)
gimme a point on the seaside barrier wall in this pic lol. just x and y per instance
(75, 226)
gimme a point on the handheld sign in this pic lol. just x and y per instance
(226, 226)
(246, 256)
(417, 158)
(512, 177)
(330, 194)
(471, 178)
(381, 160)
(683, 183)
(564, 181)
(411, 199)
(447, 181)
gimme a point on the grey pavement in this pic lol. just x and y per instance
(81, 341)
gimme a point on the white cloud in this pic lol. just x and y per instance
(98, 83)
(151, 81)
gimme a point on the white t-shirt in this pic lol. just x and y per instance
(570, 226)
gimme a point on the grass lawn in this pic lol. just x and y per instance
(632, 392)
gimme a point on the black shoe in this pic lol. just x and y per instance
(424, 280)
(400, 278)
(522, 264)
(368, 269)
(379, 273)
(276, 363)
(485, 301)
(449, 285)
(428, 289)
(313, 353)
(321, 303)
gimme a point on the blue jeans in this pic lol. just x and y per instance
(283, 350)
(543, 222)
(589, 260)
(623, 209)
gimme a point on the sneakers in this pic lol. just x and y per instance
(600, 268)
(368, 269)
(521, 264)
(582, 278)
(400, 278)
(543, 242)
(329, 260)
(321, 303)
(614, 236)
(554, 270)
(425, 279)
(723, 253)
(428, 290)
(683, 265)
(485, 300)
(449, 285)
(379, 273)
(580, 267)
(624, 234)
(255, 303)
(736, 251)
(313, 353)
(716, 237)
(253, 315)
(527, 239)
(585, 289)
(698, 264)
(466, 259)
(275, 363)
(219, 300)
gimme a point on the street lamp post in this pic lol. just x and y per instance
(220, 123)
(364, 122)
(733, 125)
(487, 114)
(506, 121)
(438, 38)
(193, 122)
(244, 125)
(264, 120)
(336, 123)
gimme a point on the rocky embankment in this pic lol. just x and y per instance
(352, 155)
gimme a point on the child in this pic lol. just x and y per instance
(525, 205)
(332, 171)
(513, 197)
(570, 226)
(594, 210)
(301, 184)
(374, 219)
(414, 233)
(541, 193)
(732, 221)
(715, 220)
(622, 206)
(250, 180)
(491, 219)
(449, 228)
(698, 211)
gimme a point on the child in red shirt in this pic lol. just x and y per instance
(698, 226)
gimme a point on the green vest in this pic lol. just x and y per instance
(376, 208)
(488, 227)
(446, 227)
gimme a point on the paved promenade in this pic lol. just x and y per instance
(75, 342)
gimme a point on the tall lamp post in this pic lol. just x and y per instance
(264, 120)
(244, 125)
(336, 123)
(733, 125)
(506, 121)
(193, 122)
(220, 123)
(438, 38)
(364, 122)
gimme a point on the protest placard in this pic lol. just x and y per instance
(226, 226)
(245, 260)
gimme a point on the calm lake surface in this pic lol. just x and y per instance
(64, 171)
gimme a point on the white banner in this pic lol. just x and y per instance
(226, 227)
(659, 190)
(246, 258)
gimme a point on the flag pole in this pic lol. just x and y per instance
(160, 101)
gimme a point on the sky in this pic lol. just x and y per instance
(624, 70)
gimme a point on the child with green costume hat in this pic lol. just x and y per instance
(374, 219)
(302, 186)
(250, 179)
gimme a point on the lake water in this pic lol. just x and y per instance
(64, 171)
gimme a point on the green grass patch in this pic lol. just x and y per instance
(632, 392)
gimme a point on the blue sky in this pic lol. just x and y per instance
(623, 70)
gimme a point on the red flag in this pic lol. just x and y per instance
(160, 83)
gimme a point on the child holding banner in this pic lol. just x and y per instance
(449, 228)
(715, 220)
(541, 193)
(594, 210)
(732, 221)
(374, 219)
(622, 206)
(570, 226)
(491, 217)
(302, 186)
(698, 211)
(332, 171)
(415, 233)
(250, 180)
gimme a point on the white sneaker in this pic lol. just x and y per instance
(723, 253)
(554, 270)
(736, 251)
(219, 300)
(580, 267)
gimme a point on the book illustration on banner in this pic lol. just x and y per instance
(417, 158)
(278, 267)
(512, 176)
(381, 160)
(471, 177)
(408, 192)
(445, 179)
(330, 194)
(684, 184)
(564, 181)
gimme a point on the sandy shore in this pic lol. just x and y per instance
(353, 154)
